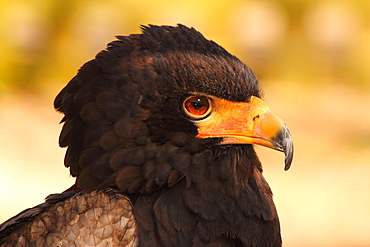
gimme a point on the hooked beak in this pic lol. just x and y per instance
(247, 123)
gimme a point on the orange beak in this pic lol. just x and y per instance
(246, 123)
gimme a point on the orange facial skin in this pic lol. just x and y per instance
(249, 122)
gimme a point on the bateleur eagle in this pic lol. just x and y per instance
(159, 131)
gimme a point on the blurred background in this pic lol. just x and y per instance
(311, 57)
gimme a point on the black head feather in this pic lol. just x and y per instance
(130, 94)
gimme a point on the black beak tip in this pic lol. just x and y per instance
(288, 157)
(285, 143)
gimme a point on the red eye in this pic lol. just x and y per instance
(197, 107)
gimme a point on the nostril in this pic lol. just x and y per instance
(256, 117)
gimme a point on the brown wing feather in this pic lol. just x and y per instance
(98, 218)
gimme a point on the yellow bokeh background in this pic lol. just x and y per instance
(311, 57)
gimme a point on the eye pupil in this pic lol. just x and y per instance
(197, 107)
(197, 104)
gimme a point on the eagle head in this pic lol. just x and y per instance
(147, 110)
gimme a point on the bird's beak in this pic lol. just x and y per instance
(247, 123)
